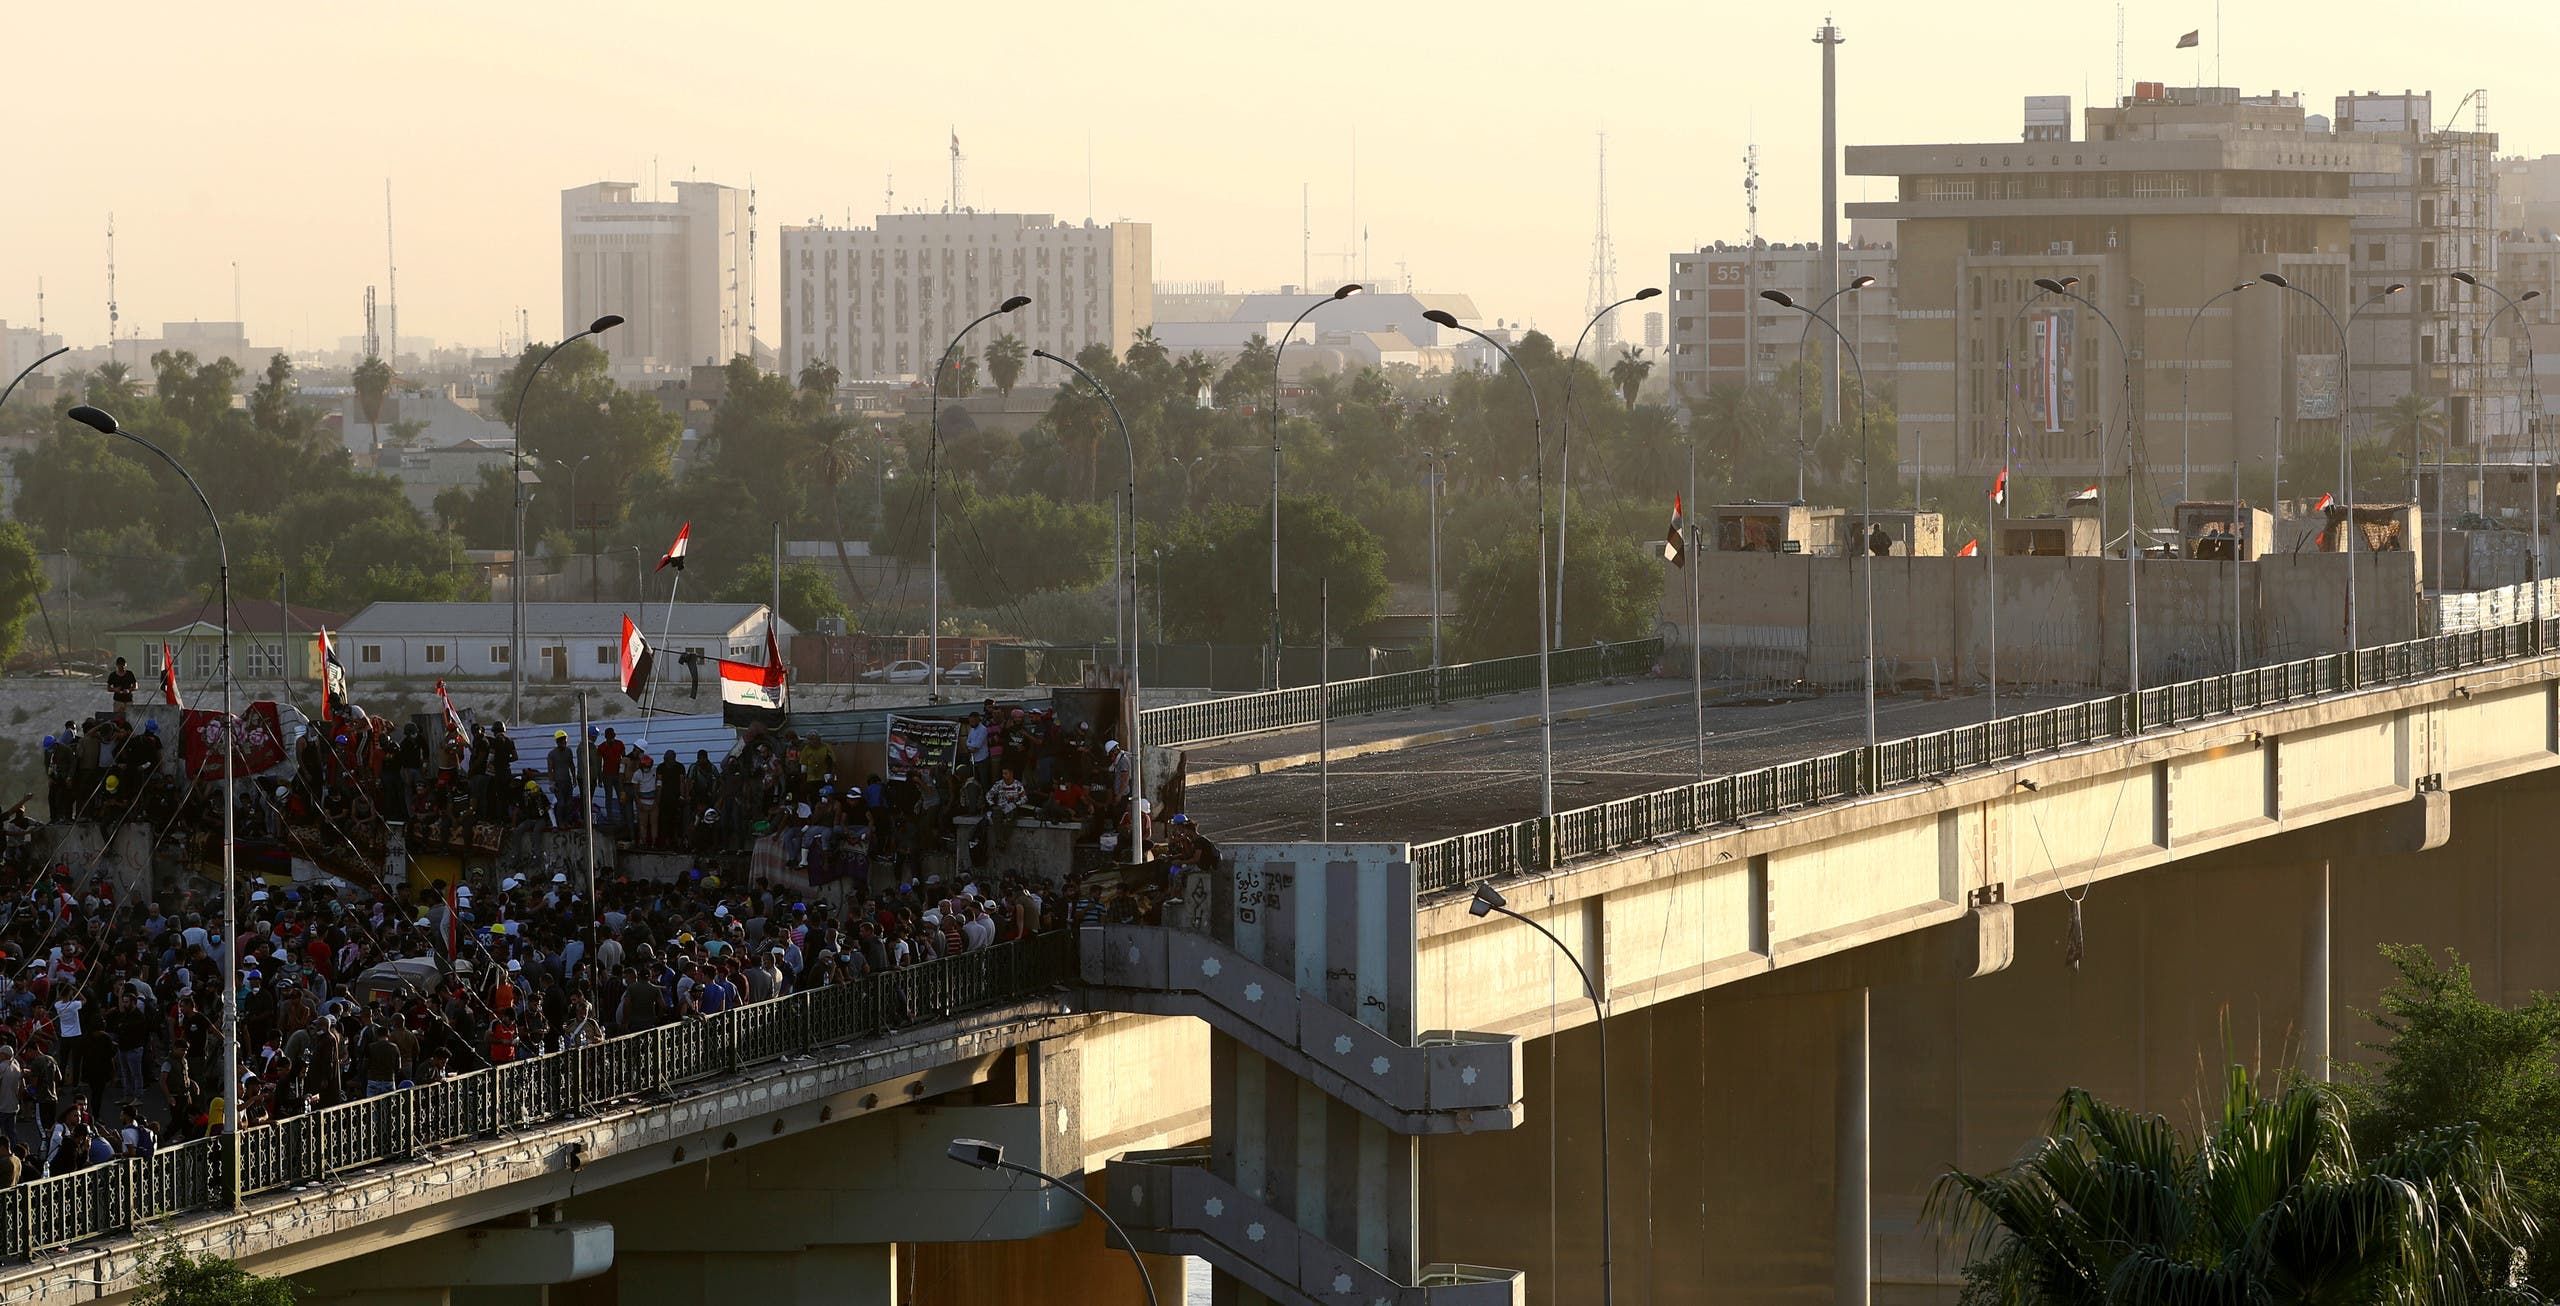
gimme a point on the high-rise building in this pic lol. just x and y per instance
(2432, 215)
(676, 272)
(882, 302)
(2174, 196)
(1723, 333)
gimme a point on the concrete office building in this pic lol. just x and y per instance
(1723, 333)
(676, 271)
(2529, 193)
(2433, 214)
(2174, 195)
(882, 302)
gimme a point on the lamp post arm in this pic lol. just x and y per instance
(1564, 475)
(1599, 1007)
(1077, 1191)
(12, 387)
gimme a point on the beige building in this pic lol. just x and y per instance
(2174, 195)
(882, 302)
(676, 271)
(1723, 333)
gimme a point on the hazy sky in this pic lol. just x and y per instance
(261, 130)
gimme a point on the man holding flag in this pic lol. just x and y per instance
(169, 676)
(333, 680)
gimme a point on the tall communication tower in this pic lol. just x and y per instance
(391, 266)
(1751, 261)
(1604, 263)
(751, 267)
(959, 174)
(2217, 50)
(372, 327)
(114, 315)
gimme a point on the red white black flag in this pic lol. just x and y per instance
(636, 657)
(2089, 495)
(2000, 487)
(675, 552)
(1675, 541)
(169, 677)
(1972, 549)
(453, 731)
(333, 680)
(752, 695)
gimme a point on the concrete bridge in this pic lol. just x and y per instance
(1828, 979)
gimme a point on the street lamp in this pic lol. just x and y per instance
(1127, 566)
(979, 1154)
(515, 645)
(2532, 426)
(1340, 293)
(1489, 900)
(933, 498)
(1546, 713)
(1804, 337)
(12, 387)
(2346, 421)
(2186, 414)
(573, 524)
(1438, 461)
(1564, 470)
(2132, 536)
(104, 423)
(1866, 496)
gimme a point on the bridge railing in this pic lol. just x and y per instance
(1604, 828)
(1289, 709)
(117, 1197)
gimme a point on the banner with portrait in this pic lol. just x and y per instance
(920, 746)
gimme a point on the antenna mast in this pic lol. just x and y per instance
(1751, 260)
(372, 327)
(1306, 237)
(959, 174)
(2217, 49)
(114, 316)
(391, 263)
(1604, 262)
(751, 267)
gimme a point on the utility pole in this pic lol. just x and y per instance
(1827, 268)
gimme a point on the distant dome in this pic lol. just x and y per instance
(2316, 124)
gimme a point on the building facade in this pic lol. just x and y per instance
(2174, 196)
(882, 302)
(676, 271)
(563, 642)
(1723, 333)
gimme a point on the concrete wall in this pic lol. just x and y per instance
(2060, 620)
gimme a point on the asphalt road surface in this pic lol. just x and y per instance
(1438, 790)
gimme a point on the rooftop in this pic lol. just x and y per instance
(246, 614)
(695, 620)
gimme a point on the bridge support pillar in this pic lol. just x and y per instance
(1852, 1268)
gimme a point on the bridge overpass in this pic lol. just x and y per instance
(1829, 977)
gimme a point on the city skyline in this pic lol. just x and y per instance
(1476, 150)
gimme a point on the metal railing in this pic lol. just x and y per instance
(1610, 827)
(1289, 709)
(117, 1197)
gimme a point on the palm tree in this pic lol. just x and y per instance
(2273, 1206)
(1147, 355)
(372, 381)
(831, 457)
(2410, 425)
(819, 377)
(1006, 355)
(1629, 372)
(1194, 370)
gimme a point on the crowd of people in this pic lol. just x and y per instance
(111, 1009)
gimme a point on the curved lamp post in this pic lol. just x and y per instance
(515, 647)
(978, 1153)
(1546, 715)
(1127, 565)
(2346, 422)
(2132, 537)
(1489, 901)
(2186, 414)
(1803, 339)
(1866, 497)
(1340, 293)
(2532, 426)
(1564, 470)
(933, 498)
(12, 387)
(104, 423)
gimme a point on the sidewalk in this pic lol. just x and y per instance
(1417, 727)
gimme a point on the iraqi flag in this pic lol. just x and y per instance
(169, 676)
(675, 552)
(1972, 549)
(752, 694)
(2191, 40)
(636, 657)
(453, 731)
(333, 679)
(2325, 501)
(1675, 541)
(2000, 488)
(2089, 495)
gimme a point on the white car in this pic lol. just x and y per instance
(905, 671)
(966, 673)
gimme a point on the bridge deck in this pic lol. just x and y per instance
(1637, 737)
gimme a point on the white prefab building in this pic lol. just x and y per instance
(563, 642)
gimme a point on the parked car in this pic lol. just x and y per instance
(966, 673)
(904, 671)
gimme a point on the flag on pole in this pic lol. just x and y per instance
(169, 677)
(675, 552)
(753, 695)
(1972, 548)
(636, 657)
(2000, 488)
(2323, 505)
(333, 679)
(2191, 40)
(453, 732)
(1675, 541)
(2089, 495)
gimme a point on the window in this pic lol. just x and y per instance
(498, 654)
(266, 661)
(369, 653)
(604, 655)
(2373, 252)
(202, 662)
(435, 654)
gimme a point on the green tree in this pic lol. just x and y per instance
(1247, 381)
(21, 580)
(175, 1278)
(1217, 572)
(959, 378)
(576, 411)
(1628, 373)
(1006, 355)
(819, 377)
(1613, 592)
(2450, 1058)
(2274, 1204)
(807, 594)
(372, 381)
